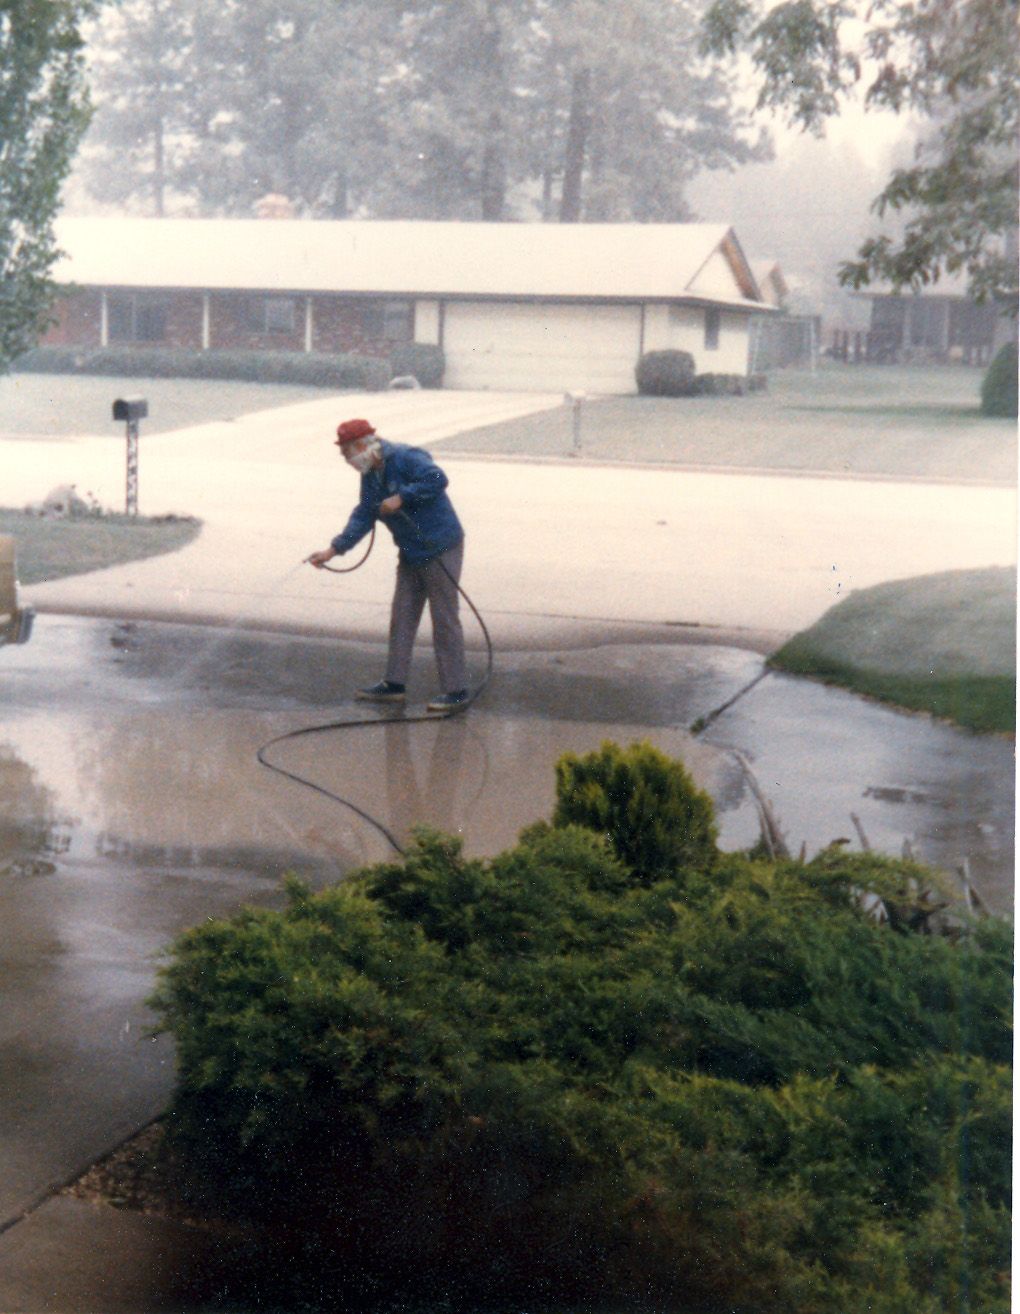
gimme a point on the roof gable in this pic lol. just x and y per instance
(410, 258)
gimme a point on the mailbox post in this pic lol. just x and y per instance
(131, 410)
(575, 400)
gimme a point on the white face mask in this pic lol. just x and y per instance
(364, 461)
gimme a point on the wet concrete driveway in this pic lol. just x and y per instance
(131, 806)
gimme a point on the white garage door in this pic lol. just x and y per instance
(512, 346)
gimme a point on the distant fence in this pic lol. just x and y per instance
(784, 342)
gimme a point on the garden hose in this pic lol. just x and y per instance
(351, 723)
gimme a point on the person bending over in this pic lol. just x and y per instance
(404, 486)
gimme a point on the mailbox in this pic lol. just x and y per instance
(130, 409)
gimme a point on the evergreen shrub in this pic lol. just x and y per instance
(665, 374)
(708, 1083)
(999, 386)
(312, 369)
(721, 385)
(424, 360)
(645, 804)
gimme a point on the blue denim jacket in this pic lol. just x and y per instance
(429, 525)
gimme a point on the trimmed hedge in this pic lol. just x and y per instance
(312, 369)
(671, 374)
(999, 386)
(564, 1075)
(729, 385)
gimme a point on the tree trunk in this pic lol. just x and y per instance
(494, 170)
(577, 139)
(340, 208)
(492, 185)
(547, 188)
(158, 168)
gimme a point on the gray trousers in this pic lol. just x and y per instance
(415, 585)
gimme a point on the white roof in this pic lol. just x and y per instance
(408, 258)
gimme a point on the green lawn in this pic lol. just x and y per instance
(944, 644)
(850, 420)
(54, 549)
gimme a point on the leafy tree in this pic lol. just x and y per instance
(957, 64)
(43, 112)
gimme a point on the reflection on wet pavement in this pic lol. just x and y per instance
(822, 754)
(132, 806)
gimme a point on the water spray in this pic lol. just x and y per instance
(354, 723)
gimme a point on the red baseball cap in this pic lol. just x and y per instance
(351, 430)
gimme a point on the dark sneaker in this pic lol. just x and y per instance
(448, 702)
(383, 692)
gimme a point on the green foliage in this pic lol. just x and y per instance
(315, 369)
(646, 805)
(422, 359)
(43, 112)
(999, 386)
(958, 65)
(539, 1075)
(665, 374)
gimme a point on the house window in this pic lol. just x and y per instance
(133, 317)
(120, 318)
(270, 314)
(713, 318)
(392, 320)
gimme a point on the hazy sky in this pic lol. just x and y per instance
(809, 208)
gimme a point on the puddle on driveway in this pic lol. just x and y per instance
(134, 745)
(822, 754)
(132, 806)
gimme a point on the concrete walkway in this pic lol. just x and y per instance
(623, 603)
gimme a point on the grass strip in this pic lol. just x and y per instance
(943, 644)
(981, 702)
(50, 549)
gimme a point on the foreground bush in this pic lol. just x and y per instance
(999, 386)
(720, 1086)
(312, 369)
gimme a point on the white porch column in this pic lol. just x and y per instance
(427, 322)
(206, 333)
(104, 320)
(309, 324)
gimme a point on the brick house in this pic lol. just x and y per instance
(525, 306)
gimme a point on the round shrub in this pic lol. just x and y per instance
(423, 360)
(665, 374)
(654, 817)
(999, 386)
